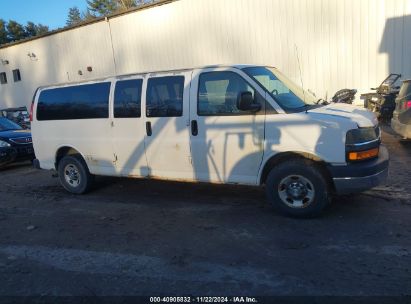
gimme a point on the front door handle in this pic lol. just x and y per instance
(148, 128)
(194, 127)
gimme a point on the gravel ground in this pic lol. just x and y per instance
(140, 237)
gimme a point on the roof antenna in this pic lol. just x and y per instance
(301, 74)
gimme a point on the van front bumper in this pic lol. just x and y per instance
(402, 129)
(357, 177)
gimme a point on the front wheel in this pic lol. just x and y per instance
(74, 174)
(297, 188)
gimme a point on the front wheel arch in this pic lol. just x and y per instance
(291, 178)
(278, 158)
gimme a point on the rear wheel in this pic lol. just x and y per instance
(297, 188)
(74, 174)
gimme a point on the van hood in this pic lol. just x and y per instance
(362, 117)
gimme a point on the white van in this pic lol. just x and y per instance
(241, 124)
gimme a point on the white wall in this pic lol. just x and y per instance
(58, 59)
(341, 43)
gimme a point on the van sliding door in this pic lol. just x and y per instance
(128, 128)
(167, 132)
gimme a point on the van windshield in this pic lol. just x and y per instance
(286, 93)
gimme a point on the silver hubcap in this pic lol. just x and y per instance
(72, 175)
(296, 191)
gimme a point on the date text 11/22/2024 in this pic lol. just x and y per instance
(203, 300)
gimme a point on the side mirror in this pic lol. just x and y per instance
(245, 102)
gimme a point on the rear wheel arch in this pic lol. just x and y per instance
(64, 151)
(74, 174)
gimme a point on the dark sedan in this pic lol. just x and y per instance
(15, 143)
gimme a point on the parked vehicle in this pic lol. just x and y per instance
(382, 101)
(15, 143)
(19, 115)
(344, 96)
(401, 121)
(238, 124)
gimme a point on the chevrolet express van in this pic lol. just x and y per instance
(242, 124)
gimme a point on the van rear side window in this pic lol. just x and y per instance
(165, 96)
(75, 102)
(127, 98)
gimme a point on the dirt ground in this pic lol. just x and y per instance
(140, 237)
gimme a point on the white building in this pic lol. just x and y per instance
(335, 43)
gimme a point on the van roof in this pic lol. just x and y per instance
(236, 66)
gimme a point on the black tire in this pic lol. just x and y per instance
(298, 177)
(74, 167)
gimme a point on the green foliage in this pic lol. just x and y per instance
(99, 8)
(126, 4)
(35, 29)
(102, 7)
(3, 32)
(74, 16)
(41, 29)
(30, 29)
(87, 16)
(15, 31)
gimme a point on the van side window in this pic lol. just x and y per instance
(85, 101)
(127, 98)
(165, 96)
(218, 93)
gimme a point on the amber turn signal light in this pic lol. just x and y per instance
(361, 155)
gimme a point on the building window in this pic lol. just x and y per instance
(16, 75)
(3, 78)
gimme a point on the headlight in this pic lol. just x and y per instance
(4, 144)
(361, 135)
(362, 144)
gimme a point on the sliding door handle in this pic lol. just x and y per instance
(194, 127)
(148, 128)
